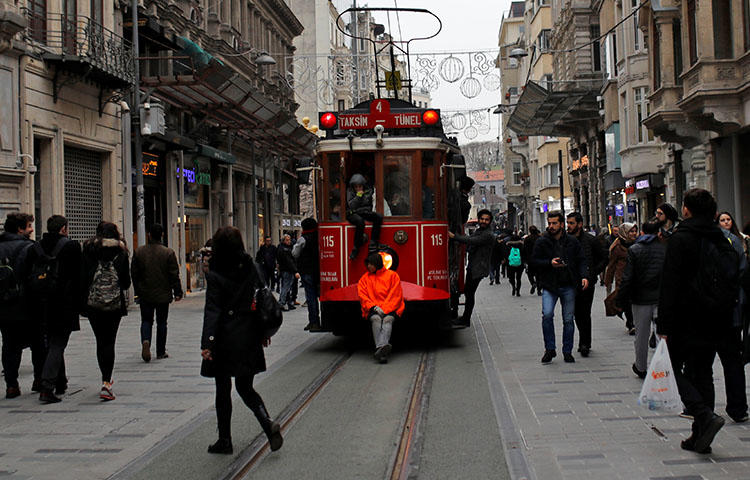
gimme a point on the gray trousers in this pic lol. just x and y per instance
(381, 329)
(643, 316)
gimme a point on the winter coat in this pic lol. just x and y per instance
(596, 255)
(358, 204)
(641, 277)
(307, 254)
(569, 251)
(528, 248)
(97, 250)
(381, 289)
(61, 311)
(739, 247)
(229, 328)
(266, 257)
(680, 310)
(15, 247)
(618, 257)
(285, 259)
(480, 243)
(499, 251)
(155, 273)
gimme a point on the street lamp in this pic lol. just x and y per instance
(518, 53)
(264, 58)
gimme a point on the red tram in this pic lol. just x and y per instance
(413, 169)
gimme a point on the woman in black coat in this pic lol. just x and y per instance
(101, 252)
(231, 344)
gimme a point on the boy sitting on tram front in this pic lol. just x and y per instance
(359, 208)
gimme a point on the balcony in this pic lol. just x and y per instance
(81, 47)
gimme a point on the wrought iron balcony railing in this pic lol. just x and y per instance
(81, 41)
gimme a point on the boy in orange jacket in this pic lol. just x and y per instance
(382, 301)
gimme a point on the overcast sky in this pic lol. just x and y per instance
(468, 25)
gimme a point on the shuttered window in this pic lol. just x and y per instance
(83, 191)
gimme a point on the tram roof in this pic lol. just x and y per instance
(368, 143)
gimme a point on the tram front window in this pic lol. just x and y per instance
(397, 185)
(428, 185)
(334, 189)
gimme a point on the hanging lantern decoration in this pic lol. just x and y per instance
(484, 128)
(451, 69)
(470, 87)
(492, 82)
(458, 121)
(471, 132)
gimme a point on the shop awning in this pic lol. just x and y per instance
(206, 85)
(216, 154)
(560, 112)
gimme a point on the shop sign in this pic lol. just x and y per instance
(150, 164)
(285, 222)
(642, 184)
(298, 223)
(545, 207)
(194, 175)
(631, 208)
(629, 189)
(619, 210)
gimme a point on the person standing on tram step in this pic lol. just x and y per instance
(307, 253)
(106, 274)
(288, 271)
(53, 284)
(382, 302)
(480, 247)
(14, 320)
(359, 208)
(231, 343)
(596, 261)
(156, 281)
(266, 258)
(561, 266)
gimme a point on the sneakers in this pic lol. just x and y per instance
(222, 446)
(381, 353)
(106, 393)
(146, 351)
(584, 351)
(162, 356)
(707, 431)
(12, 392)
(639, 373)
(548, 356)
(569, 358)
(49, 397)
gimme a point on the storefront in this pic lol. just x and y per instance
(644, 194)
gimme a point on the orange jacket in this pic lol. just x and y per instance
(381, 289)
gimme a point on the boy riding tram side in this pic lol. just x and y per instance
(388, 184)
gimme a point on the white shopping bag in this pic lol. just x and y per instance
(659, 390)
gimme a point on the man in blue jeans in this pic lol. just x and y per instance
(561, 266)
(307, 254)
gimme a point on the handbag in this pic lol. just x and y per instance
(610, 307)
(267, 309)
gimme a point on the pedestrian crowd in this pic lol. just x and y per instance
(683, 281)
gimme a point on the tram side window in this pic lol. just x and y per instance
(362, 163)
(334, 189)
(428, 185)
(397, 185)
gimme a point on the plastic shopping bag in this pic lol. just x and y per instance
(659, 390)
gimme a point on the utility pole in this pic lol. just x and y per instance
(138, 153)
(560, 177)
(355, 52)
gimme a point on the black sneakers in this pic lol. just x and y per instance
(381, 354)
(569, 358)
(639, 373)
(706, 433)
(548, 356)
(12, 392)
(49, 397)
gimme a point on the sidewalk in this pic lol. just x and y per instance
(82, 437)
(582, 420)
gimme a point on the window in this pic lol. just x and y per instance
(516, 173)
(624, 103)
(543, 3)
(547, 81)
(397, 184)
(342, 105)
(746, 22)
(482, 190)
(550, 175)
(642, 110)
(722, 13)
(636, 31)
(609, 52)
(492, 190)
(692, 36)
(543, 40)
(428, 184)
(677, 46)
(38, 20)
(596, 48)
(656, 49)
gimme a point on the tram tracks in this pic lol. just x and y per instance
(404, 460)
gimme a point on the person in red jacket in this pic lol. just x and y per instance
(382, 301)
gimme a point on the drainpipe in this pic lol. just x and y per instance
(126, 162)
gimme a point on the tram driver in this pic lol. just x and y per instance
(360, 208)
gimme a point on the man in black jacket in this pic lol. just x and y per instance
(528, 250)
(156, 281)
(266, 258)
(480, 250)
(596, 260)
(14, 321)
(56, 307)
(307, 255)
(561, 266)
(288, 271)
(691, 329)
(639, 288)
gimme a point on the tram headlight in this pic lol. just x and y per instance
(430, 117)
(328, 121)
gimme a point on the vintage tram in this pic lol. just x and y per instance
(413, 169)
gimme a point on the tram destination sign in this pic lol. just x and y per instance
(380, 114)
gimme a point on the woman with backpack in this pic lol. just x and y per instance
(106, 274)
(232, 341)
(516, 262)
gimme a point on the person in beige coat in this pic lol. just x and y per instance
(618, 257)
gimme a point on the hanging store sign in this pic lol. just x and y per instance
(642, 184)
(619, 210)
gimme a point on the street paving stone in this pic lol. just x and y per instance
(582, 419)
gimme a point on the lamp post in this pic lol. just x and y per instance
(140, 219)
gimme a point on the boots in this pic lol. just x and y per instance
(222, 445)
(271, 428)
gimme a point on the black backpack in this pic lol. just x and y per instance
(42, 281)
(10, 288)
(717, 284)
